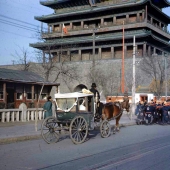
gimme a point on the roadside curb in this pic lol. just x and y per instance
(9, 140)
(18, 139)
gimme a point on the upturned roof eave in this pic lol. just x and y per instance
(163, 3)
(158, 39)
(90, 39)
(52, 4)
(156, 8)
(167, 3)
(98, 9)
(42, 45)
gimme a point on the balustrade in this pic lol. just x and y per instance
(157, 26)
(89, 27)
(109, 24)
(18, 115)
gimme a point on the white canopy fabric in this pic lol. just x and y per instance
(70, 95)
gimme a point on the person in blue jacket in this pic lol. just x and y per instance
(137, 108)
(165, 117)
(48, 107)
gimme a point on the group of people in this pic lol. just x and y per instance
(153, 112)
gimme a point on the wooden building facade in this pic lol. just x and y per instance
(96, 32)
(18, 87)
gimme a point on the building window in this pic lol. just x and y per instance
(44, 96)
(19, 96)
(29, 96)
(1, 95)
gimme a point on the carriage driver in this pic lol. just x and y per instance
(95, 91)
(97, 98)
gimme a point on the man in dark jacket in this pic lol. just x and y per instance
(95, 91)
(97, 99)
(149, 112)
(165, 109)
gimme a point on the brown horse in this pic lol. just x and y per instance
(114, 110)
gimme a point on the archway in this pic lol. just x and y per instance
(79, 87)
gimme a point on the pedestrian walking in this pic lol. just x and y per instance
(48, 107)
(137, 108)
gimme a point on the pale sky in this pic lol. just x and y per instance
(18, 27)
(15, 34)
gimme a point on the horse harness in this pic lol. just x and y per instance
(118, 104)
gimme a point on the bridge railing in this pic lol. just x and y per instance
(19, 115)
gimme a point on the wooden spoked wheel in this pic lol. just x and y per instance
(105, 129)
(78, 130)
(49, 131)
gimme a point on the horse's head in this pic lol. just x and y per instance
(125, 104)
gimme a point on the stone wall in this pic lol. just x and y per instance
(107, 75)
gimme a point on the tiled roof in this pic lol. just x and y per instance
(22, 76)
(100, 7)
(113, 36)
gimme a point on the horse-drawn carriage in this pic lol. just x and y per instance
(76, 113)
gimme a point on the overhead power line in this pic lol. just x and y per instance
(6, 17)
(22, 4)
(17, 20)
(13, 23)
(18, 25)
(19, 8)
(17, 34)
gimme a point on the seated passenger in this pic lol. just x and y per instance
(81, 105)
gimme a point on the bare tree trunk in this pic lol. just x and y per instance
(36, 116)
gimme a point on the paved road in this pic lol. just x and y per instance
(133, 148)
(20, 131)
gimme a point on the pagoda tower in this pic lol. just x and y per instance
(83, 31)
(95, 31)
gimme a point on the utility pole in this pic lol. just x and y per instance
(123, 56)
(165, 77)
(93, 48)
(133, 81)
(41, 27)
(93, 62)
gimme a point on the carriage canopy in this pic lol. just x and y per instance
(71, 95)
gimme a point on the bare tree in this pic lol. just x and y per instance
(22, 58)
(53, 70)
(107, 80)
(138, 76)
(154, 67)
